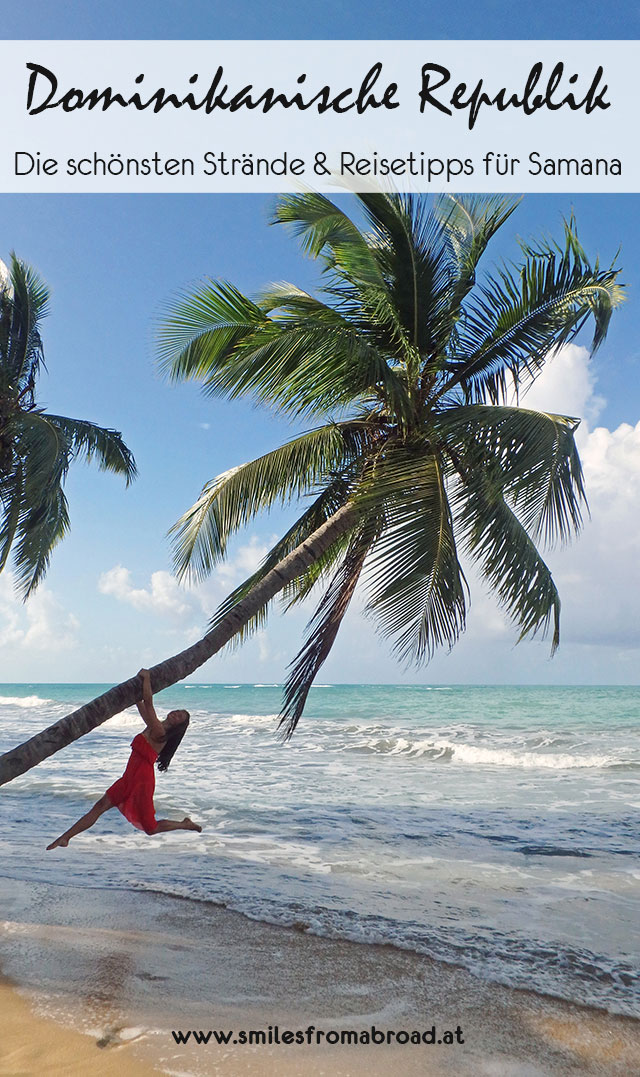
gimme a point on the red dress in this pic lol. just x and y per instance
(132, 794)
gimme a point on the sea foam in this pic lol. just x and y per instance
(27, 702)
(445, 751)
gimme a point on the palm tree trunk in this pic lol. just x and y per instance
(174, 669)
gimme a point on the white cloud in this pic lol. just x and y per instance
(566, 386)
(241, 564)
(599, 574)
(41, 624)
(611, 458)
(163, 596)
(167, 598)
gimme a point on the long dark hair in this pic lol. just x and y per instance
(174, 736)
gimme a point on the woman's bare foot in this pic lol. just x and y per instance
(189, 824)
(59, 843)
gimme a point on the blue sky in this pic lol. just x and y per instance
(109, 604)
(289, 19)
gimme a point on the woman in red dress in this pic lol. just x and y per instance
(132, 794)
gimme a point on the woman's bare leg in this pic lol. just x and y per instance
(91, 817)
(163, 825)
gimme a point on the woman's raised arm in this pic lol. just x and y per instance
(147, 709)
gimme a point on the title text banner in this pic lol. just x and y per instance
(250, 116)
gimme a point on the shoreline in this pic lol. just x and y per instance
(128, 967)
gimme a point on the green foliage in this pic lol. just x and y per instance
(231, 500)
(36, 448)
(407, 358)
(416, 586)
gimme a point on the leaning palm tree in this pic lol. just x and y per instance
(406, 369)
(405, 366)
(36, 447)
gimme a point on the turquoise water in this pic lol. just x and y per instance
(493, 827)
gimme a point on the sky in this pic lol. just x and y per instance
(346, 19)
(109, 603)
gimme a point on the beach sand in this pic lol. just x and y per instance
(34, 1045)
(119, 970)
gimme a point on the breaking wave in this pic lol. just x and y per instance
(27, 702)
(454, 752)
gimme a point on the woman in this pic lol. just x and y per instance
(132, 794)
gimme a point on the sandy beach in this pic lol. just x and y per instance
(32, 1045)
(104, 977)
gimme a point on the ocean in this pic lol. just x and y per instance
(494, 828)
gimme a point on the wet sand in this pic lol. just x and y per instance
(106, 975)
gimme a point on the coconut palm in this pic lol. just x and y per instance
(36, 447)
(405, 365)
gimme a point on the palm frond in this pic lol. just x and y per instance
(203, 329)
(507, 555)
(303, 363)
(300, 589)
(44, 515)
(45, 447)
(415, 263)
(534, 455)
(310, 369)
(11, 500)
(349, 259)
(469, 221)
(22, 306)
(44, 450)
(323, 228)
(334, 495)
(41, 529)
(520, 316)
(322, 631)
(230, 501)
(293, 302)
(91, 442)
(415, 582)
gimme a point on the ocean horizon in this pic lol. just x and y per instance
(492, 827)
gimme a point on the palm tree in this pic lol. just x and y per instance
(406, 365)
(36, 447)
(408, 370)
